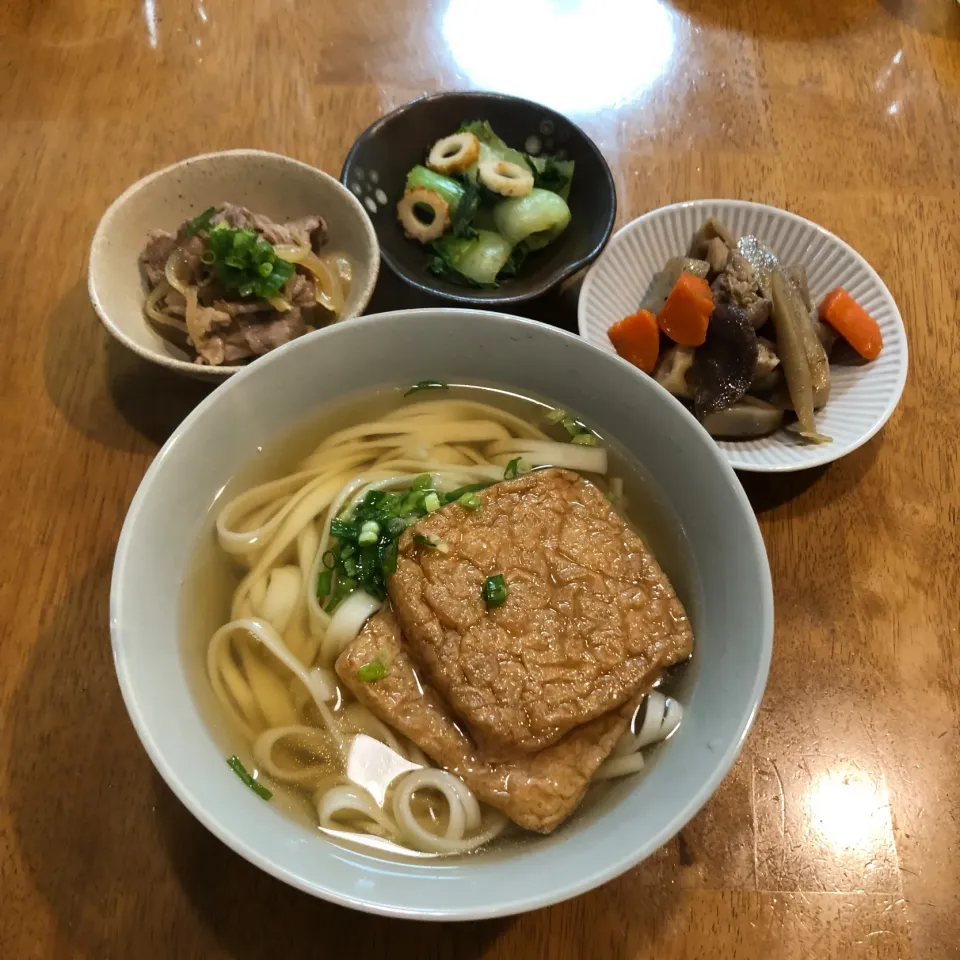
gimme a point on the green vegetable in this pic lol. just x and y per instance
(201, 222)
(469, 500)
(236, 765)
(345, 586)
(557, 415)
(365, 552)
(491, 146)
(515, 261)
(586, 439)
(324, 584)
(461, 219)
(372, 672)
(478, 259)
(551, 174)
(494, 591)
(516, 467)
(340, 528)
(451, 190)
(369, 533)
(246, 263)
(454, 495)
(427, 385)
(535, 219)
(421, 541)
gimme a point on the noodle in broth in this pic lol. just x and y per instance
(271, 666)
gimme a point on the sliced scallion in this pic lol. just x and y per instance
(494, 591)
(236, 765)
(369, 533)
(372, 672)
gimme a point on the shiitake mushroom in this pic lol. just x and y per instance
(724, 366)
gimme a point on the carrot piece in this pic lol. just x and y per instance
(686, 313)
(852, 322)
(637, 339)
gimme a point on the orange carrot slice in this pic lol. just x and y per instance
(852, 322)
(637, 339)
(686, 314)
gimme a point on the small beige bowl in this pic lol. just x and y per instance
(268, 183)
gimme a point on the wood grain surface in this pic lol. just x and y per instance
(837, 834)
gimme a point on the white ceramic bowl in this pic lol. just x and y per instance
(725, 586)
(861, 397)
(268, 183)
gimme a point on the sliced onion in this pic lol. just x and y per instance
(344, 270)
(178, 271)
(150, 308)
(346, 624)
(280, 304)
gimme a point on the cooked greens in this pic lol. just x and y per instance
(483, 207)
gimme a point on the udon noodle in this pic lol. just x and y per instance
(271, 665)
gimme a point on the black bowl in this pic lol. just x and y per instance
(378, 163)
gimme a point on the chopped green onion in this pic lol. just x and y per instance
(494, 591)
(469, 500)
(421, 541)
(324, 584)
(571, 426)
(202, 222)
(329, 559)
(208, 257)
(516, 467)
(395, 526)
(372, 672)
(586, 439)
(454, 495)
(345, 586)
(423, 482)
(345, 531)
(369, 533)
(236, 765)
(427, 385)
(350, 567)
(431, 502)
(556, 416)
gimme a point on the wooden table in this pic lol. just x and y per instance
(838, 832)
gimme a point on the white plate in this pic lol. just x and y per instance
(861, 397)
